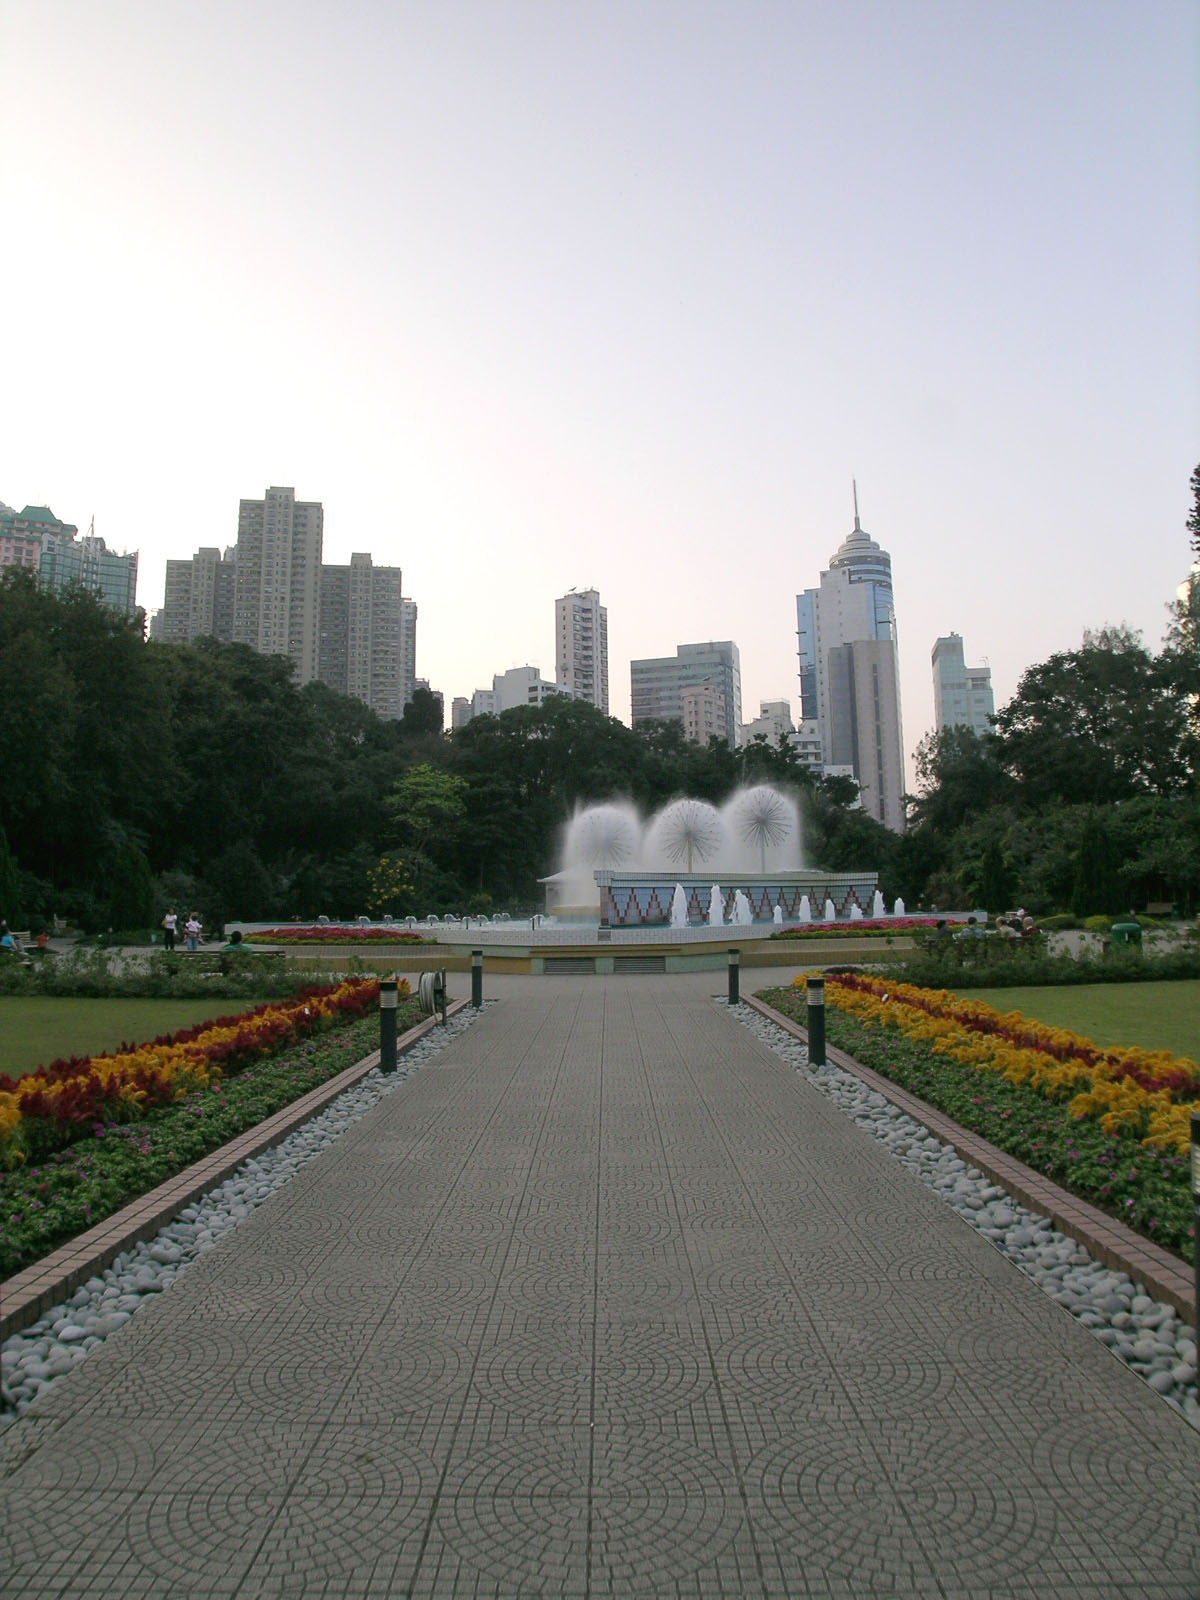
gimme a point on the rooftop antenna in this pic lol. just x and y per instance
(857, 524)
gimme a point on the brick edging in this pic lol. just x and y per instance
(1164, 1275)
(28, 1293)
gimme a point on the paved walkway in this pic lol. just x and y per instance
(606, 1302)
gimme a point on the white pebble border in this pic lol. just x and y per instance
(1148, 1336)
(54, 1345)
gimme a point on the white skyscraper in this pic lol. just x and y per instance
(581, 645)
(849, 671)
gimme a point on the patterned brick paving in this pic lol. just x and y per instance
(605, 1302)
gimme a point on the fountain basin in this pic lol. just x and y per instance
(643, 899)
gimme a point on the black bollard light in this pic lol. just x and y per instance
(816, 1022)
(1196, 1210)
(387, 1024)
(735, 996)
(477, 978)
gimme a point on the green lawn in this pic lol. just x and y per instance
(1159, 1016)
(36, 1029)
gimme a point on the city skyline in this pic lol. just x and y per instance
(623, 299)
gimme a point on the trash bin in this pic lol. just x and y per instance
(1126, 933)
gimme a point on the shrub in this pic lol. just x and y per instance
(1002, 964)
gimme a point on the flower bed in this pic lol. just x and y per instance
(862, 925)
(1143, 1094)
(47, 1202)
(1110, 1125)
(333, 933)
(52, 1107)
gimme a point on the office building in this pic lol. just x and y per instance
(962, 695)
(581, 646)
(849, 673)
(278, 585)
(657, 683)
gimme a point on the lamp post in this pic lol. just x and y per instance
(816, 1022)
(477, 978)
(387, 1024)
(735, 957)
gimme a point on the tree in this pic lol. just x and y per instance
(1095, 889)
(1096, 725)
(426, 806)
(10, 897)
(423, 714)
(1193, 521)
(131, 889)
(959, 775)
(390, 886)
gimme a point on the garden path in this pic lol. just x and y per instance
(606, 1300)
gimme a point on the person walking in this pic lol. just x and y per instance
(170, 923)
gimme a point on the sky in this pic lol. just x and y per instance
(542, 294)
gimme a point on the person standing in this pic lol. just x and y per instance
(191, 930)
(170, 922)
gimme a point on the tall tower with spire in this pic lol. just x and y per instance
(849, 671)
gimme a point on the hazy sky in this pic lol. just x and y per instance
(535, 294)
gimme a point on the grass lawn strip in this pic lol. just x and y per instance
(38, 1028)
(42, 1206)
(1155, 1015)
(1146, 1189)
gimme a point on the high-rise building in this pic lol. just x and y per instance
(962, 695)
(519, 686)
(408, 647)
(35, 538)
(198, 598)
(657, 683)
(278, 589)
(362, 635)
(849, 675)
(702, 708)
(774, 722)
(581, 645)
(22, 533)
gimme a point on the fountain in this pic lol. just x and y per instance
(877, 906)
(619, 870)
(898, 910)
(716, 907)
(679, 913)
